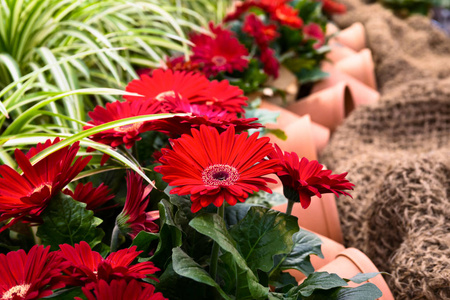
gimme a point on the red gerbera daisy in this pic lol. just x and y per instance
(24, 196)
(223, 53)
(224, 96)
(213, 168)
(121, 289)
(313, 31)
(167, 82)
(180, 64)
(133, 218)
(86, 267)
(30, 276)
(127, 134)
(93, 197)
(288, 16)
(263, 34)
(271, 64)
(208, 115)
(333, 7)
(303, 179)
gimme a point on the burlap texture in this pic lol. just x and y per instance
(403, 49)
(397, 153)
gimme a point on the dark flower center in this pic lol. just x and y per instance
(219, 60)
(220, 175)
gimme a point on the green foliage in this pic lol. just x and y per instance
(187, 267)
(305, 244)
(214, 227)
(262, 234)
(67, 221)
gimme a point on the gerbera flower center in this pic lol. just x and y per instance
(219, 60)
(218, 175)
(16, 291)
(129, 128)
(167, 94)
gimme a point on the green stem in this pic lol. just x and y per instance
(215, 249)
(289, 207)
(115, 238)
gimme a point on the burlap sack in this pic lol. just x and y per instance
(397, 153)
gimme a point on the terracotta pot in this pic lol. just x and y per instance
(327, 107)
(339, 52)
(360, 66)
(321, 216)
(298, 130)
(321, 136)
(350, 262)
(362, 94)
(353, 37)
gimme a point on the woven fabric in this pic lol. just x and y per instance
(397, 153)
(403, 49)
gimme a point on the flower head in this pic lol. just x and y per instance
(213, 168)
(263, 34)
(225, 96)
(24, 196)
(222, 53)
(93, 197)
(332, 7)
(127, 134)
(271, 64)
(87, 267)
(30, 276)
(288, 16)
(209, 115)
(167, 82)
(303, 179)
(133, 218)
(313, 31)
(121, 289)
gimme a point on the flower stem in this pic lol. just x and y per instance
(115, 239)
(289, 207)
(215, 249)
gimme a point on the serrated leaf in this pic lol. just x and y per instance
(262, 234)
(361, 277)
(317, 281)
(213, 226)
(68, 221)
(305, 244)
(185, 266)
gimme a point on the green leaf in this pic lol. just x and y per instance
(280, 296)
(185, 266)
(368, 291)
(312, 75)
(68, 221)
(235, 213)
(213, 226)
(67, 294)
(305, 244)
(361, 277)
(170, 235)
(262, 234)
(143, 241)
(317, 281)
